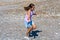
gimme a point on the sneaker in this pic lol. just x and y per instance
(26, 38)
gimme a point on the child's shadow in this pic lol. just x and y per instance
(34, 33)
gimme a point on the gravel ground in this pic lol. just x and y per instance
(12, 20)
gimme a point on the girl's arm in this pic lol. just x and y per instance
(28, 13)
(34, 13)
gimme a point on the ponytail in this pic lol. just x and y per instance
(26, 8)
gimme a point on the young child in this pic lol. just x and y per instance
(28, 19)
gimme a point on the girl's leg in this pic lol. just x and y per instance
(34, 26)
(28, 31)
(31, 28)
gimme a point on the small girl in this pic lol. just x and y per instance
(28, 19)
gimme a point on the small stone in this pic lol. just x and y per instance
(56, 33)
(59, 23)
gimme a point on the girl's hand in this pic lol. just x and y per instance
(34, 14)
(28, 19)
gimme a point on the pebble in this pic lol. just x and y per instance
(56, 33)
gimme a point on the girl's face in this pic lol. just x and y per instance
(33, 8)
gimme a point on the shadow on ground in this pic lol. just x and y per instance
(34, 33)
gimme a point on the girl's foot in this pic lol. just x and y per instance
(26, 37)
